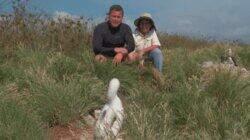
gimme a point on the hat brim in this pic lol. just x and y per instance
(136, 22)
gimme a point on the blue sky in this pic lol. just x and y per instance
(222, 19)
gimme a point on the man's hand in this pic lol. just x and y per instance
(118, 58)
(121, 50)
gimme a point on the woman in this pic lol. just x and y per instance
(147, 42)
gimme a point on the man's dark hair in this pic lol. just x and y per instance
(116, 7)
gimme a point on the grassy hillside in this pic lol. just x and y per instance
(48, 77)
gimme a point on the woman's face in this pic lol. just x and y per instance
(145, 26)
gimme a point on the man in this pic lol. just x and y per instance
(113, 39)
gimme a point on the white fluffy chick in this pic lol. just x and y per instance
(110, 120)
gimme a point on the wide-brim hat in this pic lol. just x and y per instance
(146, 16)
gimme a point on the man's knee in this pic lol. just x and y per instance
(100, 58)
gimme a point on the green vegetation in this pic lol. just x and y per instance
(48, 77)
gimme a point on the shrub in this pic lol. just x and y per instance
(64, 101)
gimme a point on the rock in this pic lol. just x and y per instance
(90, 120)
(207, 64)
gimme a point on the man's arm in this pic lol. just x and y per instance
(97, 43)
(130, 43)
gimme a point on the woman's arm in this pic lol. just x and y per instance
(148, 49)
(155, 43)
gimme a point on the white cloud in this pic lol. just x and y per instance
(130, 22)
(184, 23)
(99, 20)
(226, 18)
(64, 15)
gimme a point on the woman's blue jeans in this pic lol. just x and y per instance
(156, 56)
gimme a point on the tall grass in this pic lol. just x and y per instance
(220, 112)
(60, 103)
(244, 57)
(54, 88)
(48, 77)
(17, 124)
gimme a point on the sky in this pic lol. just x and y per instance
(215, 19)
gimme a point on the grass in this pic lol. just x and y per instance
(244, 55)
(16, 123)
(48, 77)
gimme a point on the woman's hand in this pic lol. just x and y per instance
(140, 54)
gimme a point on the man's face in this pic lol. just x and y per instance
(115, 18)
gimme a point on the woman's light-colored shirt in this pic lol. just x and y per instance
(148, 40)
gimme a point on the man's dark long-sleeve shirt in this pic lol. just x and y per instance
(106, 38)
